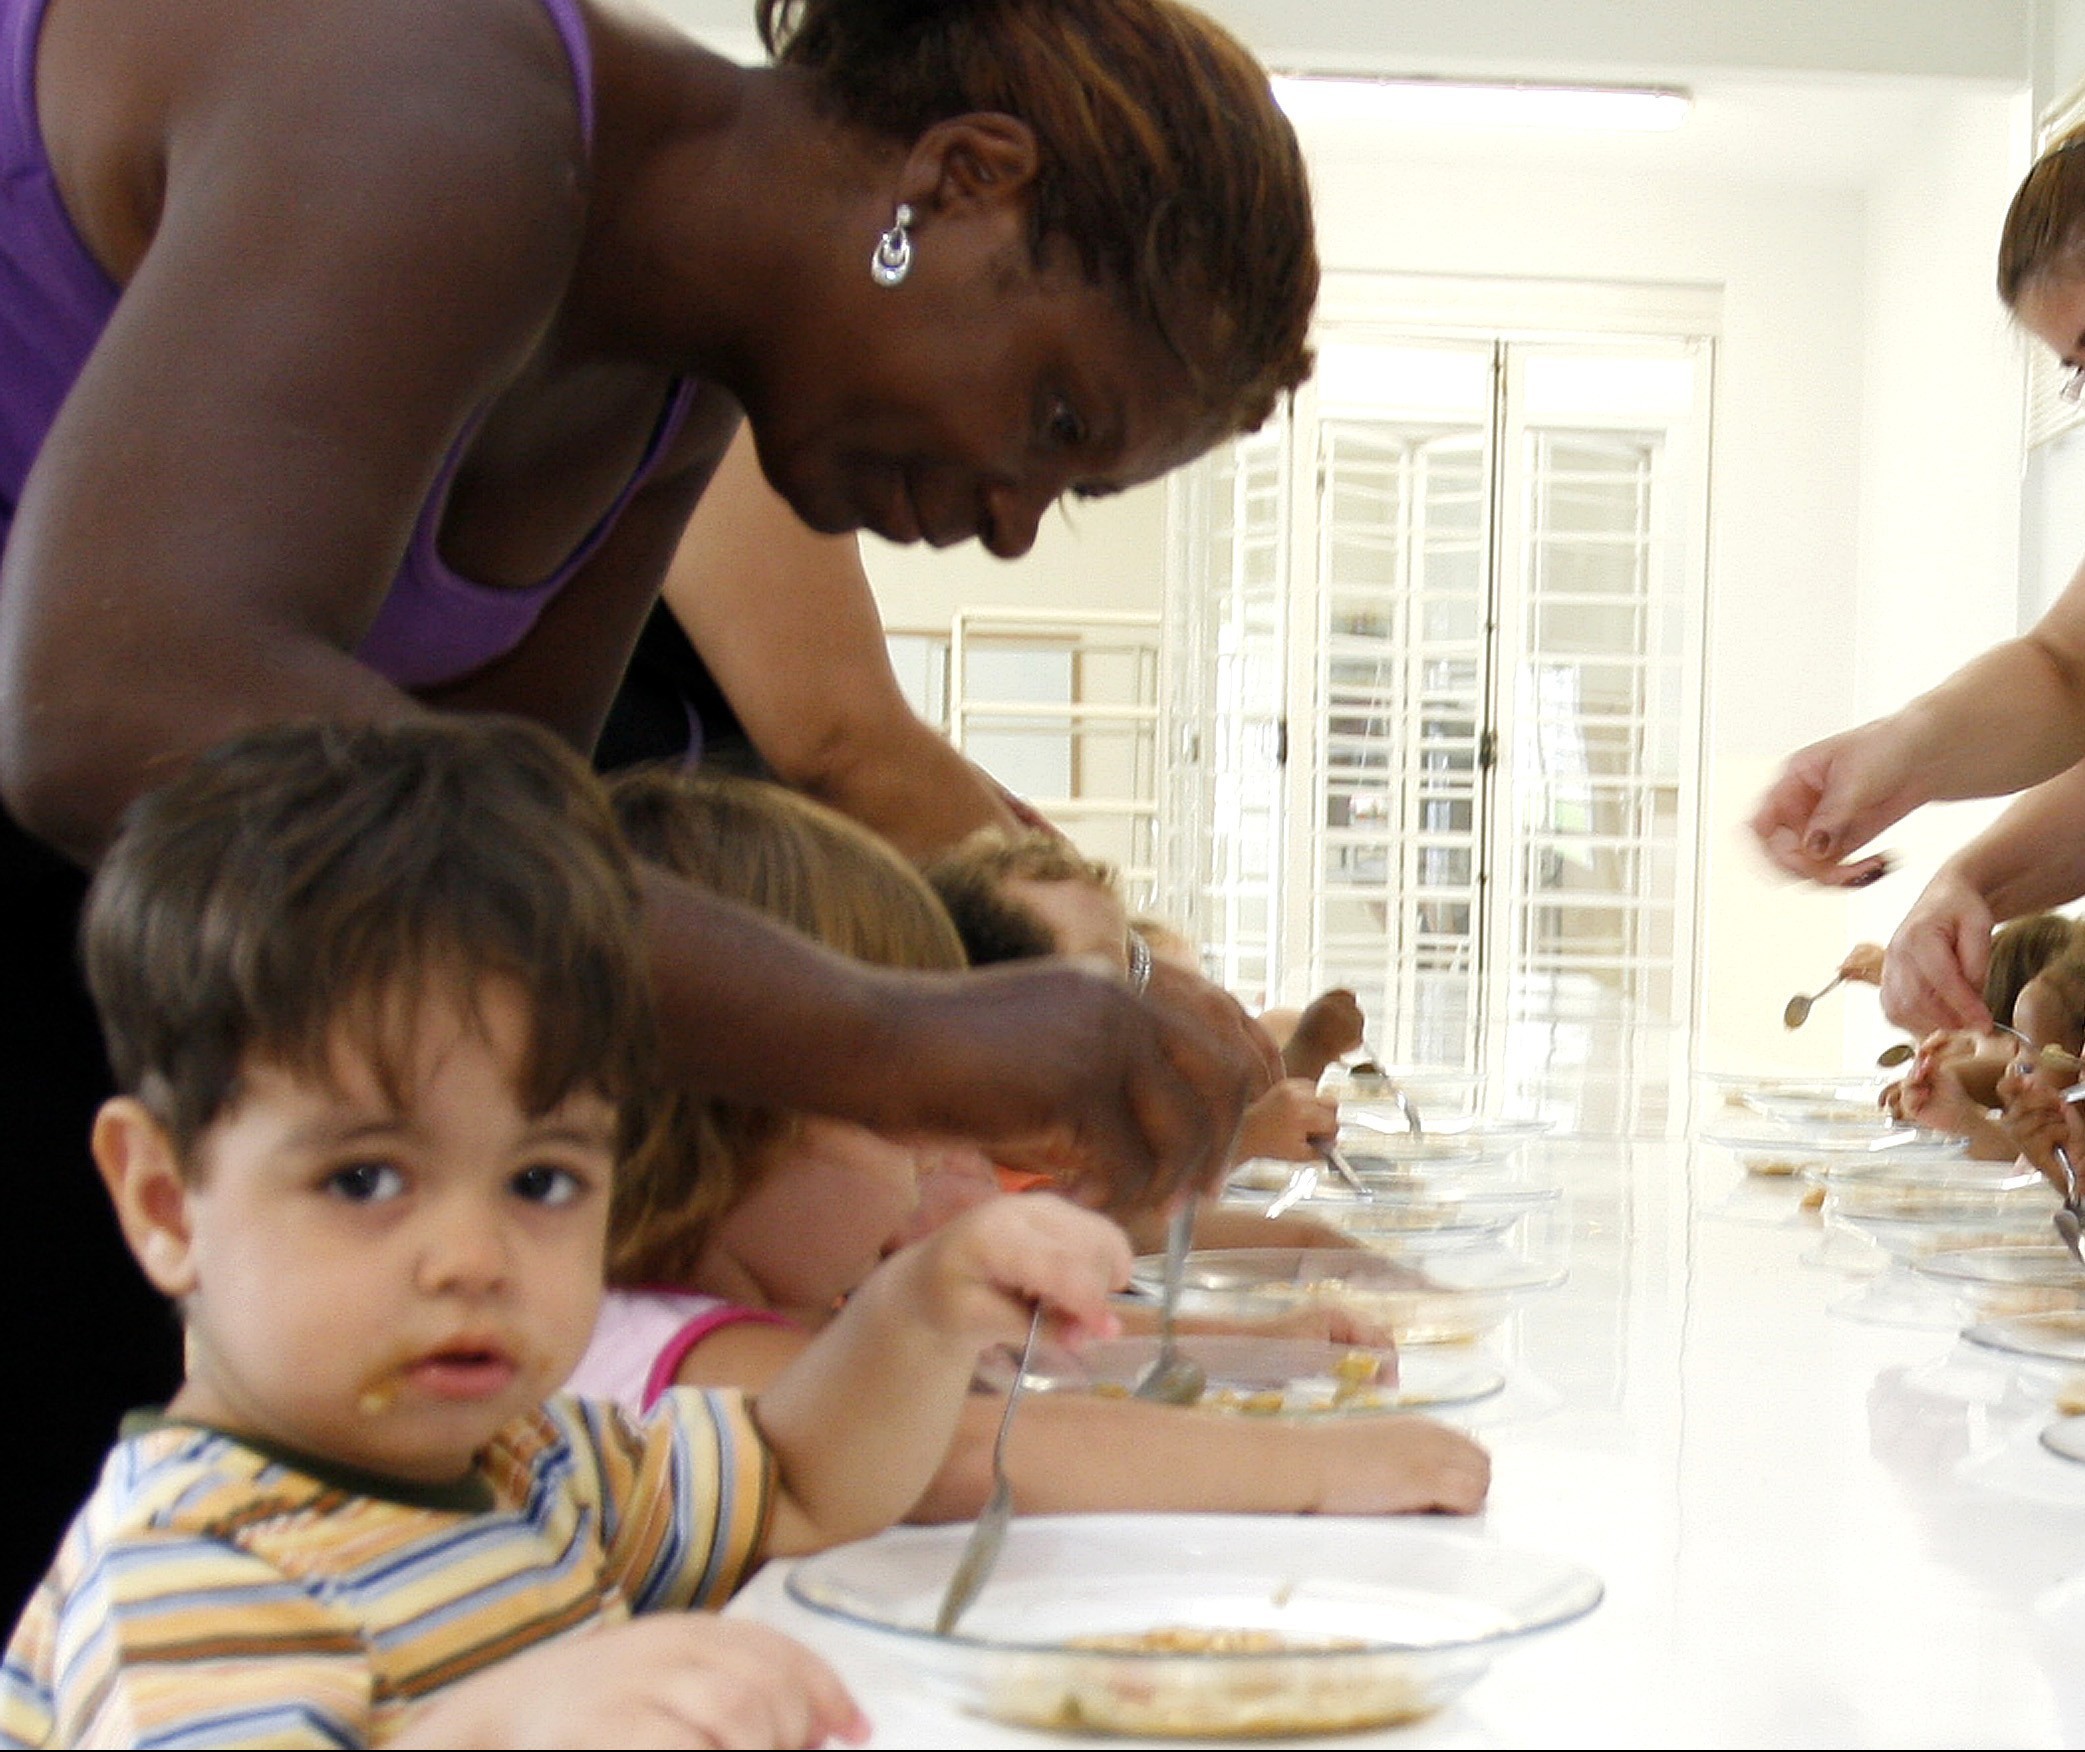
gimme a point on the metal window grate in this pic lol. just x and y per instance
(1466, 578)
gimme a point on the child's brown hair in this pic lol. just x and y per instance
(806, 866)
(2020, 950)
(304, 885)
(971, 878)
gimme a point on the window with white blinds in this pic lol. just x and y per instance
(1434, 698)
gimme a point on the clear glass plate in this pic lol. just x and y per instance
(2047, 1265)
(1359, 1622)
(1279, 1377)
(2054, 1337)
(1993, 1282)
(1396, 1209)
(1441, 1296)
(2066, 1437)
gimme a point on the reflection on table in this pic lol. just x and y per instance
(1822, 1517)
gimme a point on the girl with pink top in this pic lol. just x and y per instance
(738, 1231)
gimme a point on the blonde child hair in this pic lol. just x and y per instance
(807, 866)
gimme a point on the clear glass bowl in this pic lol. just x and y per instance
(1424, 1155)
(1993, 1283)
(2054, 1337)
(1278, 1377)
(1394, 1210)
(1909, 1222)
(1438, 1091)
(1775, 1149)
(1440, 1296)
(1360, 1622)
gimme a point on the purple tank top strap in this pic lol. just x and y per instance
(54, 298)
(437, 625)
(571, 26)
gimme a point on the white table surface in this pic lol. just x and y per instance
(1822, 1518)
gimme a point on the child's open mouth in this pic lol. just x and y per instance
(463, 1372)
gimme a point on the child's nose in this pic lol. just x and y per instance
(463, 1252)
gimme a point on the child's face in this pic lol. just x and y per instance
(829, 1204)
(1085, 918)
(387, 1287)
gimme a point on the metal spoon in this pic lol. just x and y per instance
(1336, 1160)
(1173, 1378)
(2070, 1223)
(1892, 1056)
(1797, 1010)
(981, 1549)
(1371, 1066)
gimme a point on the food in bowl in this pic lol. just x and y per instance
(1195, 1626)
(1251, 1682)
(1449, 1297)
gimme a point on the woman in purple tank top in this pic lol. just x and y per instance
(360, 360)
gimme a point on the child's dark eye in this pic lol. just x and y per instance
(1063, 427)
(365, 1182)
(545, 1185)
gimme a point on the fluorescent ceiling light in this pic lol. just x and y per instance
(1453, 103)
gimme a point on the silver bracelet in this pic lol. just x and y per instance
(1139, 963)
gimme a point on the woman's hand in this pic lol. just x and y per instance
(1933, 972)
(1832, 798)
(1126, 1101)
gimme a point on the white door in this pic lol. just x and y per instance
(1434, 669)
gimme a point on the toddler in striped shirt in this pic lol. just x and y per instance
(376, 998)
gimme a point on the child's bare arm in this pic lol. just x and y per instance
(1071, 1452)
(861, 1422)
(667, 1679)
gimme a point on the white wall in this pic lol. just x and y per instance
(1944, 382)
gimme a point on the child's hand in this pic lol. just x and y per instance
(1395, 1466)
(1864, 963)
(980, 1274)
(2039, 1121)
(1931, 1096)
(1285, 1122)
(1329, 1028)
(668, 1679)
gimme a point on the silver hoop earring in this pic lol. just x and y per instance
(892, 259)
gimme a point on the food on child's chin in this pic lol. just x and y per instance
(2057, 1059)
(1261, 1695)
(377, 1398)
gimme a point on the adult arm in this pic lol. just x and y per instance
(352, 248)
(357, 239)
(2030, 859)
(2010, 718)
(786, 622)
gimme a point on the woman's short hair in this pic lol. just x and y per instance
(1165, 161)
(2044, 233)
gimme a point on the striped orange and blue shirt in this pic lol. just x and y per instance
(214, 1592)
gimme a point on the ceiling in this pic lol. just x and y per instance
(1814, 93)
